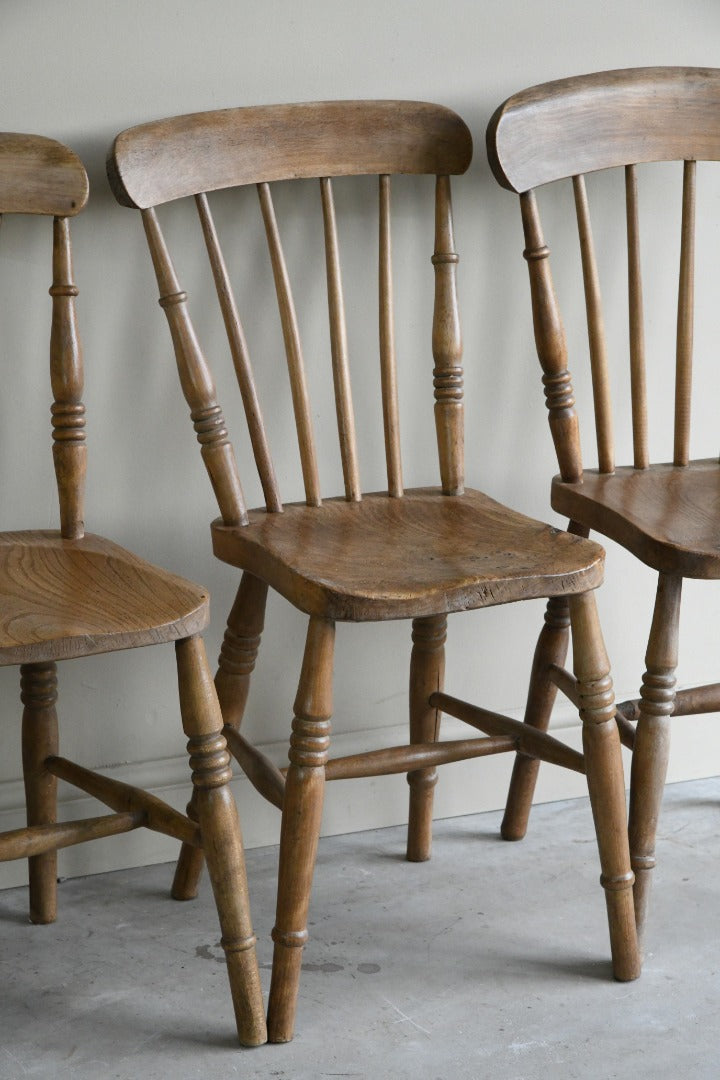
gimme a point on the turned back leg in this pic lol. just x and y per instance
(38, 684)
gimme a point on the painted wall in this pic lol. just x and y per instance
(83, 71)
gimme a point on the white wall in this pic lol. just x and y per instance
(83, 71)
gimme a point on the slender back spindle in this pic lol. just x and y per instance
(596, 331)
(638, 390)
(447, 347)
(550, 342)
(388, 370)
(240, 356)
(66, 377)
(684, 352)
(293, 350)
(339, 348)
(196, 381)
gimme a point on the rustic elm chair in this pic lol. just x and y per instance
(67, 593)
(398, 554)
(664, 514)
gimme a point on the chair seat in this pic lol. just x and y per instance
(422, 554)
(667, 515)
(64, 598)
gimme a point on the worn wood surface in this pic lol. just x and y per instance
(40, 176)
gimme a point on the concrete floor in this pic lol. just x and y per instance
(489, 961)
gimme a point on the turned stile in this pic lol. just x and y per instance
(197, 382)
(638, 391)
(38, 684)
(220, 830)
(293, 350)
(596, 331)
(686, 300)
(240, 356)
(309, 745)
(427, 673)
(66, 377)
(388, 369)
(447, 347)
(550, 343)
(339, 347)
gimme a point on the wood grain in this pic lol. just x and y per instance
(184, 155)
(40, 176)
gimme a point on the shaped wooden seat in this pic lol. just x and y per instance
(415, 554)
(66, 594)
(667, 515)
(404, 558)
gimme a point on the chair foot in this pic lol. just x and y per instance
(551, 649)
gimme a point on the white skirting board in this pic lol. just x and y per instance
(350, 806)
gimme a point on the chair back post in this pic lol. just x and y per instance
(66, 377)
(447, 347)
(550, 343)
(196, 381)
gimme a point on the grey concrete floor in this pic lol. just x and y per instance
(489, 961)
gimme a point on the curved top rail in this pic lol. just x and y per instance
(40, 176)
(606, 119)
(185, 155)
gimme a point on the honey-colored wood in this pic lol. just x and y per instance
(293, 350)
(339, 347)
(220, 831)
(417, 554)
(240, 355)
(652, 740)
(638, 388)
(596, 332)
(64, 593)
(664, 514)
(550, 650)
(604, 120)
(388, 368)
(300, 829)
(427, 676)
(157, 162)
(686, 290)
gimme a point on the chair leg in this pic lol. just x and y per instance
(300, 830)
(232, 682)
(427, 673)
(220, 829)
(38, 684)
(606, 786)
(652, 740)
(551, 649)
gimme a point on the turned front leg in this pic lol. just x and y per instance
(302, 813)
(652, 740)
(232, 683)
(220, 831)
(427, 673)
(38, 684)
(551, 649)
(606, 785)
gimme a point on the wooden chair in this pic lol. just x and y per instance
(66, 594)
(398, 554)
(665, 514)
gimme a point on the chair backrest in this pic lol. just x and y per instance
(575, 126)
(192, 155)
(41, 176)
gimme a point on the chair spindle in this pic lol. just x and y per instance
(596, 331)
(686, 288)
(240, 356)
(447, 347)
(196, 381)
(550, 342)
(339, 347)
(293, 350)
(638, 390)
(66, 376)
(388, 369)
